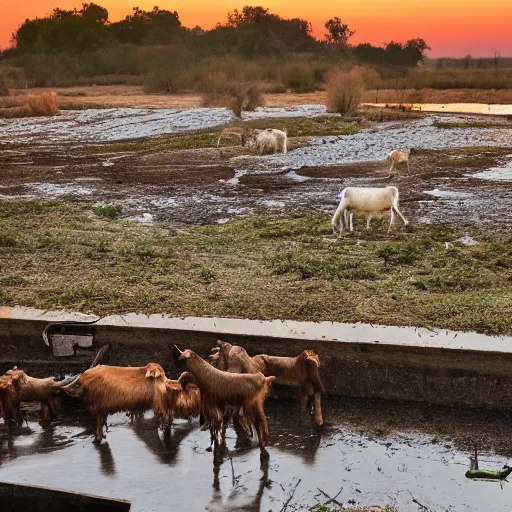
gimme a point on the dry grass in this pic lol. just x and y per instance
(344, 89)
(134, 96)
(486, 96)
(236, 94)
(381, 115)
(43, 104)
(4, 91)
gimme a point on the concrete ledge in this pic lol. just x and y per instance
(289, 329)
(437, 367)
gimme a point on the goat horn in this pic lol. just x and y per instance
(180, 351)
(69, 384)
(67, 381)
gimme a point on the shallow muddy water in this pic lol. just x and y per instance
(205, 186)
(377, 453)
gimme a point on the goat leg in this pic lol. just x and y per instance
(101, 420)
(212, 440)
(167, 421)
(45, 414)
(319, 420)
(243, 440)
(303, 400)
(262, 431)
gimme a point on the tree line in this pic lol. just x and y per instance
(250, 33)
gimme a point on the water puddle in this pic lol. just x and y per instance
(503, 173)
(145, 218)
(59, 189)
(290, 111)
(292, 175)
(468, 241)
(448, 194)
(369, 146)
(376, 453)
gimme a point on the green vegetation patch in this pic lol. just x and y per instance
(307, 126)
(110, 211)
(207, 138)
(262, 267)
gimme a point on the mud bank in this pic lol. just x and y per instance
(376, 453)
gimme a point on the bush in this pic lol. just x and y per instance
(299, 77)
(234, 87)
(208, 274)
(44, 104)
(110, 211)
(235, 96)
(344, 90)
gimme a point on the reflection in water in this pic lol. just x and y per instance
(381, 453)
(294, 434)
(239, 495)
(20, 441)
(108, 465)
(165, 448)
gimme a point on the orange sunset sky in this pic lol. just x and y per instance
(450, 27)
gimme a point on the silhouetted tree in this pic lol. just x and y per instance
(74, 30)
(251, 32)
(152, 27)
(338, 32)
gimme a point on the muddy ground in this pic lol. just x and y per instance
(409, 457)
(460, 172)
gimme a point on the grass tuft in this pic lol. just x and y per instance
(109, 211)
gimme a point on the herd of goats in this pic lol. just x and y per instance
(361, 200)
(232, 387)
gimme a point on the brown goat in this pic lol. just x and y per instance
(300, 371)
(16, 387)
(110, 389)
(178, 399)
(11, 412)
(222, 392)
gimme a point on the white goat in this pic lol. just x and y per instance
(270, 141)
(368, 201)
(398, 157)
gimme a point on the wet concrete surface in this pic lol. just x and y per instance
(411, 457)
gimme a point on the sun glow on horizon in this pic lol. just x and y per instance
(460, 28)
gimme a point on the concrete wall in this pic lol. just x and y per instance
(447, 376)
